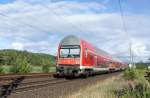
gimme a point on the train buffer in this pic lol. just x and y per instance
(5, 90)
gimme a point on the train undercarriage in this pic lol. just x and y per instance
(72, 72)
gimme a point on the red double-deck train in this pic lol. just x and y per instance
(76, 57)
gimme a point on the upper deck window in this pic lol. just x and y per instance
(70, 51)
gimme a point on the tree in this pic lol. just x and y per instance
(24, 59)
(21, 65)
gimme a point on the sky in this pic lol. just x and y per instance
(39, 25)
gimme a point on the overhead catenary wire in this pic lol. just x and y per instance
(58, 16)
(63, 18)
(126, 32)
(123, 19)
(26, 24)
(34, 27)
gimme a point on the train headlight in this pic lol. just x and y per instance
(68, 62)
(77, 61)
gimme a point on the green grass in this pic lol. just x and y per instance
(37, 69)
(131, 84)
(130, 74)
(34, 69)
(138, 87)
(21, 69)
(103, 89)
(4, 69)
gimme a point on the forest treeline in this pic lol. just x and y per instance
(15, 57)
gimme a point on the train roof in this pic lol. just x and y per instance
(70, 40)
(97, 50)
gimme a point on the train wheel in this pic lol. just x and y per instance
(75, 74)
(57, 76)
(85, 75)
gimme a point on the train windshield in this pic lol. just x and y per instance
(70, 51)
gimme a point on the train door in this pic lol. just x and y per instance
(95, 60)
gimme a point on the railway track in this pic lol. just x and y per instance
(28, 75)
(13, 83)
(36, 82)
(8, 78)
(61, 90)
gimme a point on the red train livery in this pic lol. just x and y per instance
(76, 57)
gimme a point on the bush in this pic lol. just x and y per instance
(46, 68)
(1, 69)
(137, 90)
(129, 74)
(21, 65)
(20, 69)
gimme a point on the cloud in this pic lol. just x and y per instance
(17, 45)
(1, 34)
(39, 26)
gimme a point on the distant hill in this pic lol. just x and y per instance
(142, 65)
(13, 57)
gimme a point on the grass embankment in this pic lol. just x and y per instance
(131, 84)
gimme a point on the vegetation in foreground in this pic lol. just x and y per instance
(131, 84)
(14, 61)
(138, 87)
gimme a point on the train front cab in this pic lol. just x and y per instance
(75, 58)
(69, 60)
(69, 57)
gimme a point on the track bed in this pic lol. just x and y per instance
(58, 88)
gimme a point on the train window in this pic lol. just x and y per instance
(91, 56)
(64, 52)
(85, 53)
(75, 51)
(70, 52)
